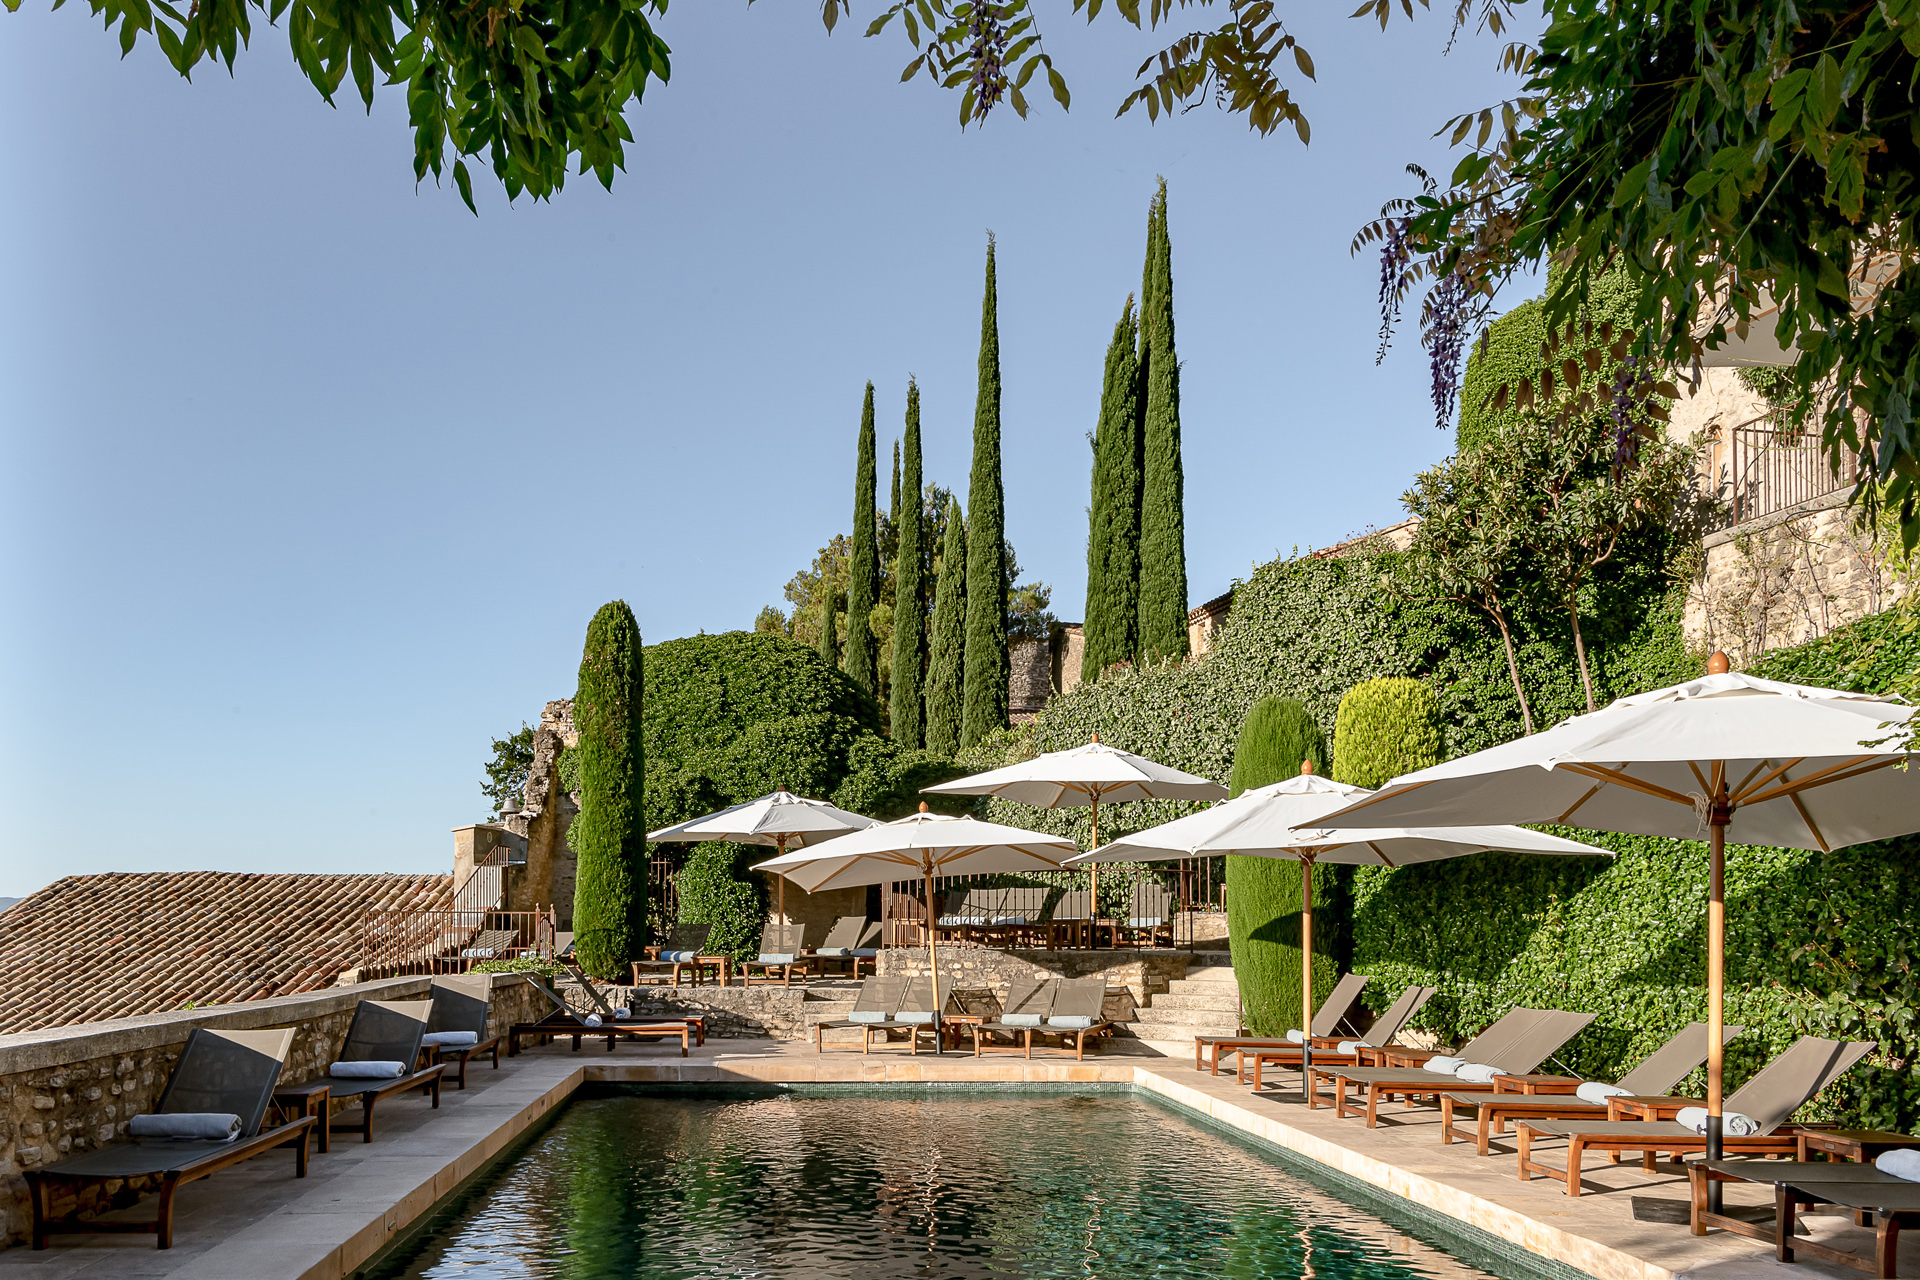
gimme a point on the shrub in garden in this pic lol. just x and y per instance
(1386, 727)
(609, 835)
(1263, 894)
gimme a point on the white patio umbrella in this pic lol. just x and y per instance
(1730, 755)
(1274, 821)
(778, 818)
(1084, 777)
(927, 844)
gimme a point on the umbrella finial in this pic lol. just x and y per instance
(923, 806)
(1096, 737)
(1306, 765)
(1718, 665)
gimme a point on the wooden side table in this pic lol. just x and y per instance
(312, 1099)
(1536, 1084)
(1859, 1145)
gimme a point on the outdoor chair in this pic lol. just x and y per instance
(878, 1002)
(1334, 1015)
(457, 1027)
(1524, 1042)
(224, 1081)
(1076, 1015)
(780, 948)
(915, 1014)
(1809, 1065)
(1071, 923)
(384, 1032)
(1654, 1077)
(1028, 1002)
(1021, 922)
(564, 1020)
(1151, 920)
(1335, 1049)
(850, 941)
(1888, 1202)
(685, 951)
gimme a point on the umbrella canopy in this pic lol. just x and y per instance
(778, 818)
(1727, 754)
(1271, 822)
(925, 844)
(1085, 776)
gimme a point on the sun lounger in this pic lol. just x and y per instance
(1892, 1203)
(1326, 1049)
(850, 941)
(878, 1001)
(1516, 1044)
(1335, 1013)
(1071, 921)
(1151, 920)
(780, 948)
(462, 1004)
(491, 944)
(1075, 1016)
(565, 1021)
(1028, 1002)
(915, 1015)
(684, 951)
(381, 1031)
(1655, 1076)
(1017, 920)
(220, 1073)
(1809, 1065)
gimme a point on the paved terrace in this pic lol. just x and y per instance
(257, 1222)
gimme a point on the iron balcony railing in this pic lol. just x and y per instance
(1773, 466)
(396, 941)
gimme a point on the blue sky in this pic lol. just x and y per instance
(315, 478)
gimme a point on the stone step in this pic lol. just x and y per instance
(827, 1011)
(1211, 974)
(1216, 1001)
(1170, 1032)
(1178, 1023)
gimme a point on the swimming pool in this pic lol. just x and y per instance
(928, 1185)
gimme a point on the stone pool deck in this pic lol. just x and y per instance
(258, 1222)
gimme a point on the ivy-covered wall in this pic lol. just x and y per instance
(1818, 943)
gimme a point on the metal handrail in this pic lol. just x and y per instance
(399, 941)
(1775, 466)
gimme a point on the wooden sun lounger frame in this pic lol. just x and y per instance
(1681, 1142)
(295, 1133)
(462, 1054)
(1788, 1197)
(690, 1031)
(427, 1080)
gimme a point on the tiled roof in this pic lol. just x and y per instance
(91, 948)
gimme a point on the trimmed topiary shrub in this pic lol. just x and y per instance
(1385, 728)
(609, 836)
(1263, 894)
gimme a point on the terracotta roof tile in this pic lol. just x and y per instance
(91, 948)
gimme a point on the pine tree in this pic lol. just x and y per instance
(1163, 535)
(1113, 524)
(609, 835)
(829, 644)
(864, 588)
(909, 616)
(946, 665)
(984, 693)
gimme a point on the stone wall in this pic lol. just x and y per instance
(65, 1090)
(732, 1013)
(1139, 973)
(545, 813)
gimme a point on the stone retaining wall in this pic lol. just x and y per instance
(731, 1012)
(1140, 973)
(64, 1090)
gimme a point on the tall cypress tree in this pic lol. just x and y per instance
(892, 549)
(609, 835)
(946, 665)
(864, 563)
(1113, 524)
(984, 699)
(909, 617)
(1163, 524)
(829, 644)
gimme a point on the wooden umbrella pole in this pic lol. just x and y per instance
(933, 958)
(1093, 870)
(1306, 975)
(1718, 817)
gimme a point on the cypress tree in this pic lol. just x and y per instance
(609, 835)
(864, 563)
(1263, 894)
(984, 693)
(1113, 518)
(947, 663)
(829, 645)
(892, 548)
(909, 616)
(1163, 533)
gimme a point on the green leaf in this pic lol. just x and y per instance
(1058, 83)
(464, 181)
(1304, 62)
(1823, 90)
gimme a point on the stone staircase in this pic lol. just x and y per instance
(1204, 1003)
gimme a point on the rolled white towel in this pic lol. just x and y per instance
(593, 1019)
(1297, 1036)
(1351, 1046)
(1478, 1073)
(450, 1039)
(622, 1013)
(1444, 1066)
(1732, 1123)
(366, 1070)
(1597, 1093)
(204, 1126)
(1904, 1163)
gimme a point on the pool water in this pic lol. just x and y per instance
(871, 1187)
